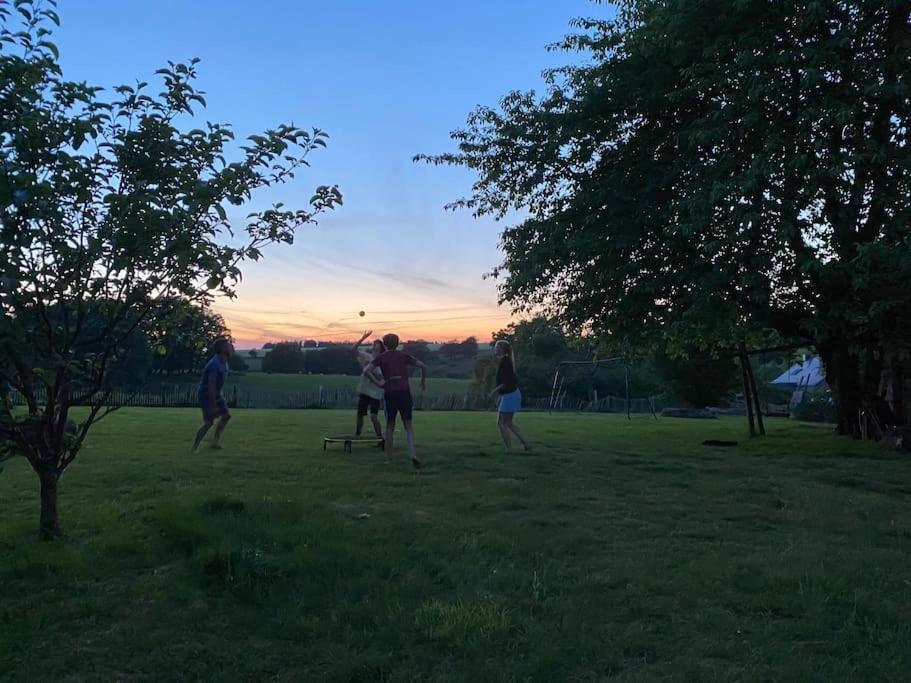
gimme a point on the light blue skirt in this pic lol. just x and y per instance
(511, 403)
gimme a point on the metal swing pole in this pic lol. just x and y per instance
(558, 380)
(626, 373)
(553, 391)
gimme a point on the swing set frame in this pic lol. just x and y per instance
(559, 378)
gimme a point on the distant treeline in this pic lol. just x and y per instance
(339, 359)
(697, 379)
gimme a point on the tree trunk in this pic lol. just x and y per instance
(898, 393)
(49, 526)
(747, 393)
(754, 390)
(843, 378)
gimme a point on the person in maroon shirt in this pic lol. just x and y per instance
(395, 367)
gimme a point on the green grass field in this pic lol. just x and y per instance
(620, 551)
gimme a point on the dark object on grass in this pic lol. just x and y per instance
(716, 442)
(349, 440)
(897, 439)
(694, 413)
(224, 504)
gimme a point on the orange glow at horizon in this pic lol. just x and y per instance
(317, 291)
(254, 325)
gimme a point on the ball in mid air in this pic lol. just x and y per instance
(362, 314)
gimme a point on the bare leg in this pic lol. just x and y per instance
(518, 432)
(409, 435)
(360, 424)
(376, 426)
(200, 435)
(219, 430)
(390, 435)
(503, 420)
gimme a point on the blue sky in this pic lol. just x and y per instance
(386, 80)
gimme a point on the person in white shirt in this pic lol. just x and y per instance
(369, 394)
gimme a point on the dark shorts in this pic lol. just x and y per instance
(221, 408)
(398, 402)
(365, 402)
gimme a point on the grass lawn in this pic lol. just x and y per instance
(621, 551)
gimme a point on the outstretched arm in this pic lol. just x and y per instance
(360, 341)
(424, 371)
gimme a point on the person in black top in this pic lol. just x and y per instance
(510, 401)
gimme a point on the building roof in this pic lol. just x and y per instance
(810, 373)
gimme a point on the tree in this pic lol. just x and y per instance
(714, 170)
(699, 379)
(132, 367)
(287, 357)
(236, 363)
(469, 347)
(332, 359)
(450, 350)
(420, 349)
(253, 353)
(109, 204)
(184, 334)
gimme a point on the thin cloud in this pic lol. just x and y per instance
(398, 278)
(423, 311)
(421, 321)
(316, 266)
(265, 311)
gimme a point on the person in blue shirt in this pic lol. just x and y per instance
(211, 397)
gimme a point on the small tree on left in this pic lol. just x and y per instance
(112, 205)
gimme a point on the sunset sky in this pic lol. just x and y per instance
(386, 80)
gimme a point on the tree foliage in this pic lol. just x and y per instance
(418, 348)
(112, 203)
(698, 379)
(467, 348)
(335, 359)
(284, 357)
(237, 364)
(712, 170)
(183, 334)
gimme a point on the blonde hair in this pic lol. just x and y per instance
(507, 350)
